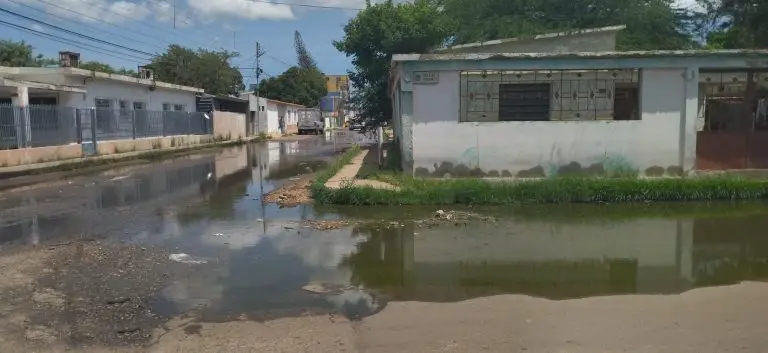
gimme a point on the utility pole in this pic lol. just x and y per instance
(259, 54)
(174, 16)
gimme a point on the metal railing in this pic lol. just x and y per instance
(37, 126)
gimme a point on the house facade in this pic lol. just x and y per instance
(60, 105)
(266, 114)
(533, 115)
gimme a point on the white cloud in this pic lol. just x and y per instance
(240, 8)
(88, 10)
(37, 27)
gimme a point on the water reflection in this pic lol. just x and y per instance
(559, 260)
(139, 199)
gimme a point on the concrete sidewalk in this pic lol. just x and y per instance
(347, 176)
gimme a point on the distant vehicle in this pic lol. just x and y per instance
(355, 126)
(311, 122)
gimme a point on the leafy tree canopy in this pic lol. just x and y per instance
(296, 85)
(372, 37)
(209, 70)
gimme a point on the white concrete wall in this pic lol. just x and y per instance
(509, 148)
(273, 122)
(116, 90)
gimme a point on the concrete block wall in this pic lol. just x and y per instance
(228, 125)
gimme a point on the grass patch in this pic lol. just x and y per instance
(321, 193)
(419, 191)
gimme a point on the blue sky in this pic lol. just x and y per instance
(148, 26)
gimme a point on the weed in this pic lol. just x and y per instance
(553, 190)
(263, 136)
(173, 142)
(157, 144)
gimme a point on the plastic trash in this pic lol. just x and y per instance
(185, 259)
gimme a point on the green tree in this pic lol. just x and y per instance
(97, 66)
(209, 70)
(17, 54)
(651, 24)
(734, 24)
(371, 38)
(296, 85)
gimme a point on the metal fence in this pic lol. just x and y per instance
(37, 126)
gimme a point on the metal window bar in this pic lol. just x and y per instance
(573, 95)
(727, 104)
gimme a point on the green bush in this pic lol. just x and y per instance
(419, 191)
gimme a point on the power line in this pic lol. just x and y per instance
(69, 41)
(307, 5)
(148, 24)
(278, 60)
(78, 22)
(76, 33)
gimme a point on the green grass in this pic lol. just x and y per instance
(419, 191)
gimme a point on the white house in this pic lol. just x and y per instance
(79, 88)
(58, 100)
(518, 114)
(272, 111)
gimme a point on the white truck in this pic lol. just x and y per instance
(311, 121)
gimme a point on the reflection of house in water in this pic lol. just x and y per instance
(86, 210)
(279, 160)
(557, 260)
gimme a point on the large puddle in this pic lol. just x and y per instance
(242, 258)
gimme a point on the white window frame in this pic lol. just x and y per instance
(167, 107)
(143, 105)
(183, 107)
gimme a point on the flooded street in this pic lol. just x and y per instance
(184, 255)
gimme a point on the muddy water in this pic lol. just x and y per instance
(236, 258)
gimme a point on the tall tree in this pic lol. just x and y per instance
(371, 38)
(731, 24)
(303, 57)
(296, 85)
(209, 70)
(651, 24)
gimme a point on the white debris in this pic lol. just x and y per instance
(185, 259)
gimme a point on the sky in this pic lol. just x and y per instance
(146, 27)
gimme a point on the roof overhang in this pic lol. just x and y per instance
(759, 53)
(7, 82)
(71, 71)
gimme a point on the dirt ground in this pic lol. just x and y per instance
(292, 193)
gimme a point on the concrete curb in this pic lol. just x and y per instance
(29, 168)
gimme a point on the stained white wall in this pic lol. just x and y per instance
(511, 147)
(118, 90)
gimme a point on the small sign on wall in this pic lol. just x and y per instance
(423, 77)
